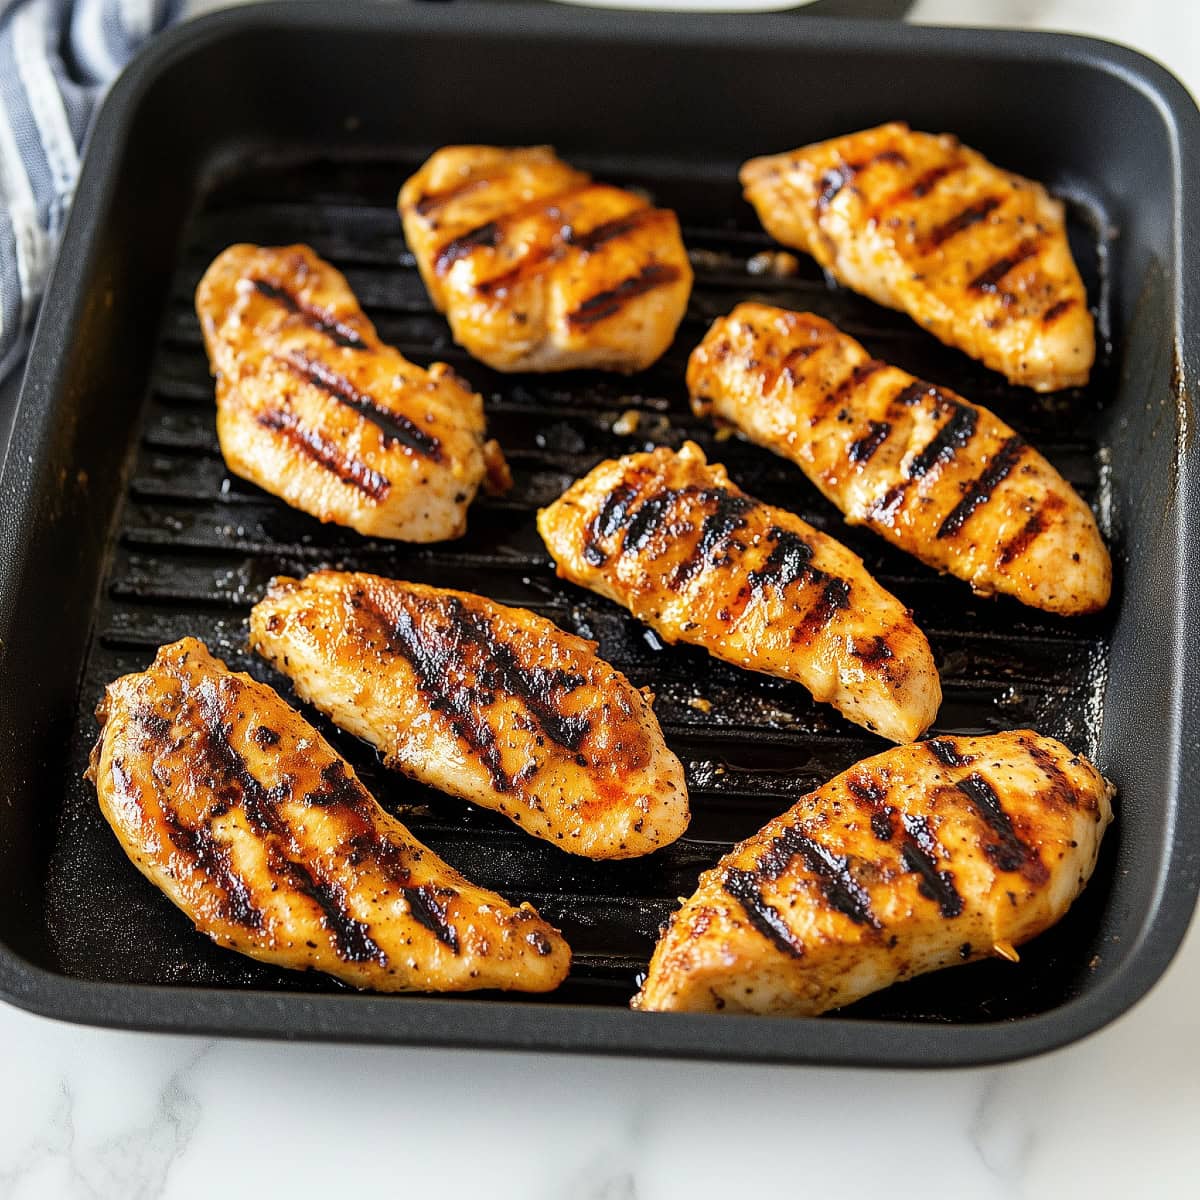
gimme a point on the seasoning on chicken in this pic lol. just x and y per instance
(246, 818)
(946, 480)
(976, 255)
(537, 268)
(927, 855)
(495, 705)
(314, 408)
(688, 552)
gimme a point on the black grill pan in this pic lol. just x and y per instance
(122, 529)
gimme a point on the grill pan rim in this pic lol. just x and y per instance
(457, 1022)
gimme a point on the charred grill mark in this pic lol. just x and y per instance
(499, 285)
(428, 906)
(744, 887)
(337, 331)
(235, 785)
(919, 856)
(337, 787)
(946, 754)
(929, 180)
(212, 859)
(971, 215)
(1056, 310)
(853, 381)
(534, 686)
(881, 824)
(844, 173)
(883, 511)
(728, 516)
(772, 370)
(156, 725)
(1039, 521)
(835, 597)
(265, 737)
(438, 652)
(350, 471)
(728, 513)
(918, 849)
(648, 516)
(981, 489)
(431, 661)
(860, 451)
(1060, 783)
(612, 515)
(920, 187)
(615, 510)
(877, 653)
(870, 794)
(607, 303)
(949, 439)
(1008, 852)
(608, 231)
(833, 181)
(989, 279)
(794, 357)
(841, 890)
(540, 942)
(394, 428)
(913, 393)
(351, 937)
(432, 201)
(868, 789)
(487, 236)
(790, 560)
(544, 249)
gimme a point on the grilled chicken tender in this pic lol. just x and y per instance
(492, 704)
(538, 268)
(924, 856)
(976, 255)
(246, 818)
(314, 408)
(689, 553)
(945, 480)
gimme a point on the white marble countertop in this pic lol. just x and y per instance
(92, 1113)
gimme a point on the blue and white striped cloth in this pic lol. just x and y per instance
(57, 57)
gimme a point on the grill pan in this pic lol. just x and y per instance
(121, 528)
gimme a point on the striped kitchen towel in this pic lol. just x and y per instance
(57, 57)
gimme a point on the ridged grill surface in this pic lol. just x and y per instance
(196, 547)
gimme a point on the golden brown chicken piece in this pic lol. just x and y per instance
(685, 550)
(945, 480)
(927, 855)
(495, 705)
(246, 818)
(314, 408)
(537, 268)
(976, 255)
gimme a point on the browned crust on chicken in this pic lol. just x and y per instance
(976, 255)
(941, 478)
(493, 704)
(675, 541)
(538, 268)
(314, 408)
(927, 855)
(242, 814)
